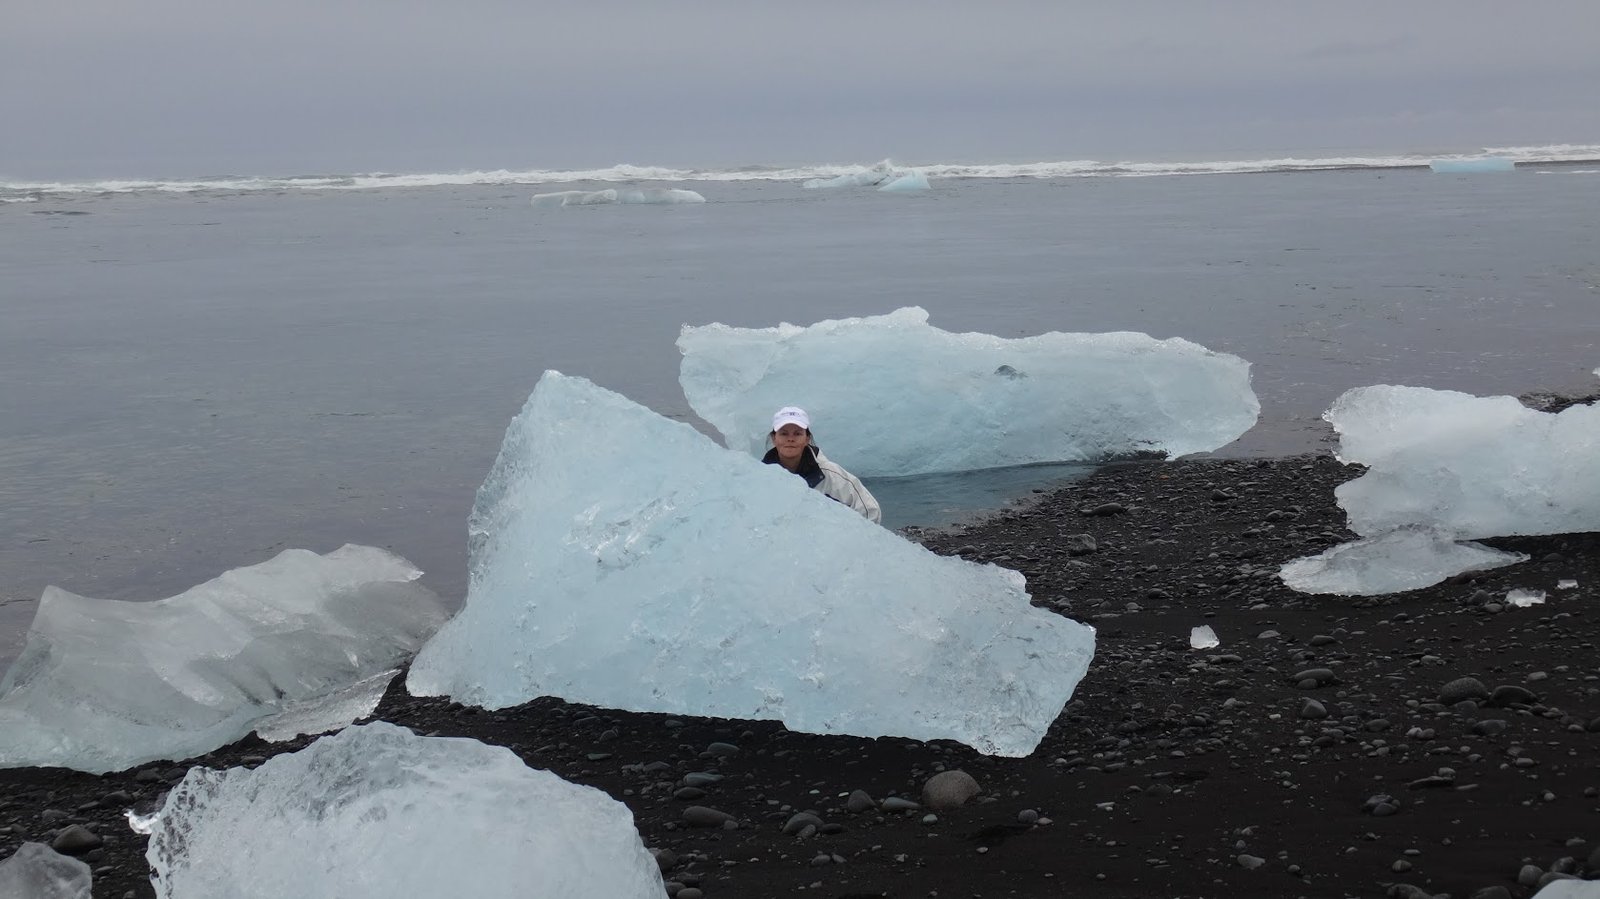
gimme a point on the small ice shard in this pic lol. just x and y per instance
(1569, 889)
(1464, 468)
(1390, 563)
(35, 871)
(1566, 584)
(1472, 165)
(877, 387)
(1203, 637)
(104, 685)
(636, 196)
(378, 811)
(1523, 598)
(907, 183)
(621, 559)
(330, 711)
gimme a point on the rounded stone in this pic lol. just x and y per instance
(1462, 688)
(949, 789)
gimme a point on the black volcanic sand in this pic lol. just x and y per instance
(1173, 771)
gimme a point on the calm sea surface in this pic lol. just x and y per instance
(191, 382)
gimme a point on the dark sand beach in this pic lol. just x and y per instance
(1311, 753)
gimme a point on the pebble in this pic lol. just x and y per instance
(1251, 862)
(75, 839)
(859, 802)
(1462, 688)
(1313, 710)
(705, 816)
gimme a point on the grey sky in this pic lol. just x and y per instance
(106, 88)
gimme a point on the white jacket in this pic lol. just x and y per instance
(834, 482)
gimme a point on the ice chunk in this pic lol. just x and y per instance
(35, 871)
(1390, 563)
(1464, 467)
(1523, 598)
(1566, 584)
(618, 196)
(378, 811)
(892, 395)
(911, 181)
(1569, 889)
(621, 559)
(1472, 165)
(871, 176)
(103, 685)
(1203, 637)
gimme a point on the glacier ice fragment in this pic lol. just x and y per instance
(621, 559)
(1203, 637)
(1390, 563)
(378, 811)
(1462, 467)
(1472, 165)
(626, 196)
(872, 176)
(891, 395)
(907, 183)
(1566, 584)
(35, 871)
(1522, 598)
(104, 685)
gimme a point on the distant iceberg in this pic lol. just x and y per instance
(1472, 165)
(378, 811)
(1444, 467)
(907, 183)
(297, 644)
(613, 196)
(880, 175)
(621, 559)
(892, 395)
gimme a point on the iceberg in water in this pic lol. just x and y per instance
(378, 811)
(621, 559)
(35, 871)
(880, 175)
(1444, 467)
(618, 196)
(104, 685)
(1472, 165)
(906, 183)
(892, 395)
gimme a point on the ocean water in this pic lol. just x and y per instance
(200, 374)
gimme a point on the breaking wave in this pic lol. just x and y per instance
(19, 191)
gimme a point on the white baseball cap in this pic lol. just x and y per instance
(791, 415)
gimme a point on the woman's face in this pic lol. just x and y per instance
(791, 441)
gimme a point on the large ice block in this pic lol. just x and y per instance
(875, 175)
(624, 560)
(378, 811)
(892, 395)
(35, 871)
(1444, 467)
(104, 685)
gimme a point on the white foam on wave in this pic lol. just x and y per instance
(626, 172)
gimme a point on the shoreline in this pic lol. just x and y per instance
(1171, 771)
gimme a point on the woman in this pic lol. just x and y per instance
(792, 448)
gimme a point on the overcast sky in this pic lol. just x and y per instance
(113, 88)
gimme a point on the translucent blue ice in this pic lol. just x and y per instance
(907, 183)
(104, 685)
(892, 395)
(378, 811)
(1449, 467)
(876, 175)
(624, 560)
(35, 871)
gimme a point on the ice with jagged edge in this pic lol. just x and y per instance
(892, 395)
(624, 560)
(1445, 467)
(377, 811)
(35, 871)
(103, 685)
(882, 175)
(613, 196)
